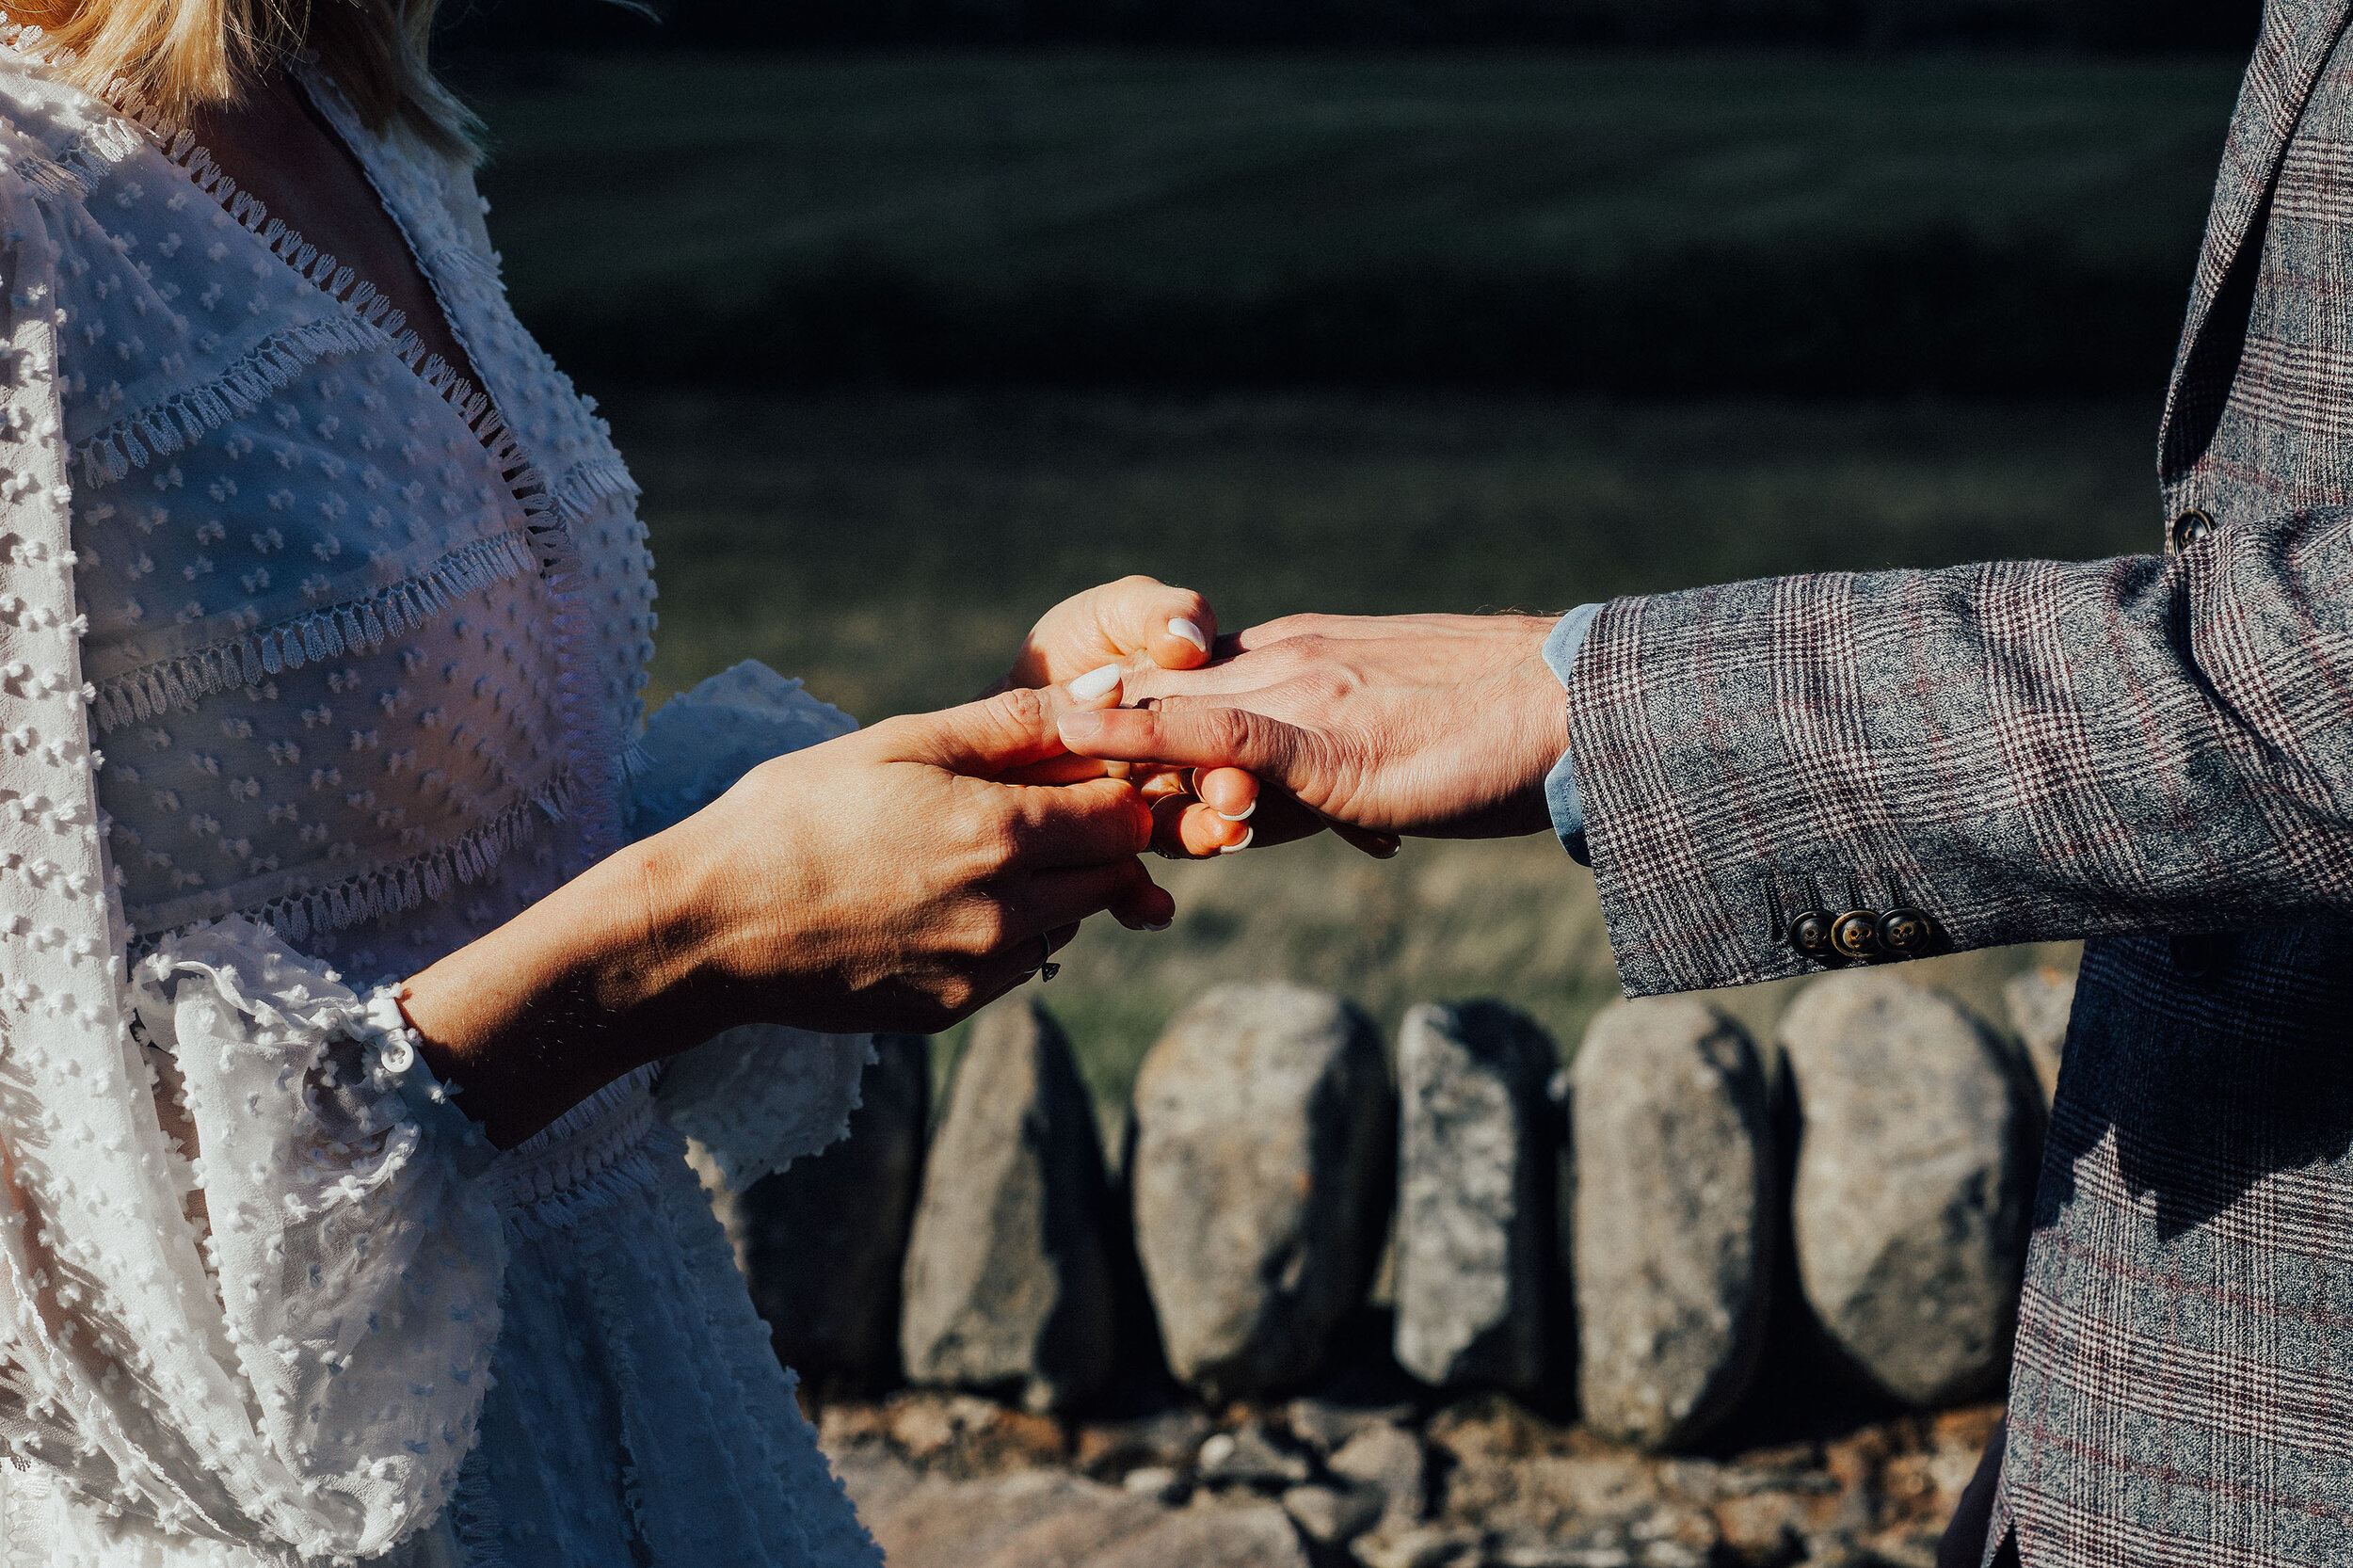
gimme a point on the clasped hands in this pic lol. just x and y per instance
(900, 877)
(1374, 727)
(935, 861)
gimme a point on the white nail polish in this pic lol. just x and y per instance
(1244, 814)
(1096, 683)
(1180, 626)
(1237, 849)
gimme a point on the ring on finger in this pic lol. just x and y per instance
(1168, 827)
(1046, 969)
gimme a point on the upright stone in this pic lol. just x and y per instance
(1008, 1286)
(1674, 1234)
(1477, 1147)
(824, 1242)
(1264, 1134)
(2040, 1001)
(1914, 1171)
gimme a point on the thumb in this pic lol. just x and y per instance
(1172, 627)
(998, 734)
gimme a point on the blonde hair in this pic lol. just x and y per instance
(185, 55)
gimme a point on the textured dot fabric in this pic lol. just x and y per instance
(317, 662)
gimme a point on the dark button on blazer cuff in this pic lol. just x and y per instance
(1809, 933)
(1906, 933)
(1858, 934)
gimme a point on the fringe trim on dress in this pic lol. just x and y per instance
(435, 874)
(166, 427)
(473, 1512)
(74, 172)
(360, 624)
(371, 323)
(597, 752)
(631, 1173)
(605, 1299)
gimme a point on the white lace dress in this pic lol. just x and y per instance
(315, 665)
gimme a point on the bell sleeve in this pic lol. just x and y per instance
(357, 1263)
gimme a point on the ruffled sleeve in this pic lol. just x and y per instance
(356, 1261)
(260, 1301)
(760, 1096)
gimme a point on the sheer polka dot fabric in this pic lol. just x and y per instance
(316, 663)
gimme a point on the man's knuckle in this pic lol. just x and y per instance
(997, 843)
(1022, 710)
(989, 928)
(1229, 729)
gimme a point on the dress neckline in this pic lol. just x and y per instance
(323, 99)
(365, 305)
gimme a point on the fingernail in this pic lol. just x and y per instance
(1081, 727)
(1190, 633)
(1159, 925)
(1237, 849)
(1242, 815)
(1096, 683)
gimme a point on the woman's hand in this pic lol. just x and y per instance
(1136, 623)
(891, 879)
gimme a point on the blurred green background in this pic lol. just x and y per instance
(1656, 224)
(904, 347)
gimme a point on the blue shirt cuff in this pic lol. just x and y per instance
(1561, 794)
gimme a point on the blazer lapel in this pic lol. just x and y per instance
(2297, 38)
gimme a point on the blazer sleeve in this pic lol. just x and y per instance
(2024, 751)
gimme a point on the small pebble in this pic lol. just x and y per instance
(1330, 1517)
(1150, 1479)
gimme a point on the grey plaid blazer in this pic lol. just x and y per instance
(2154, 752)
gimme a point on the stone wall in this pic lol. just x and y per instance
(1686, 1239)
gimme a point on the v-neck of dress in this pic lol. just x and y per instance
(364, 307)
(460, 388)
(318, 97)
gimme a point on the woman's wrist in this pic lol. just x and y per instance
(604, 974)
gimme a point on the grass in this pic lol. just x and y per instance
(1762, 223)
(1234, 172)
(892, 548)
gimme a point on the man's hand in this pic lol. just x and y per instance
(1443, 726)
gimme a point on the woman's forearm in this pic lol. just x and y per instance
(872, 882)
(603, 975)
